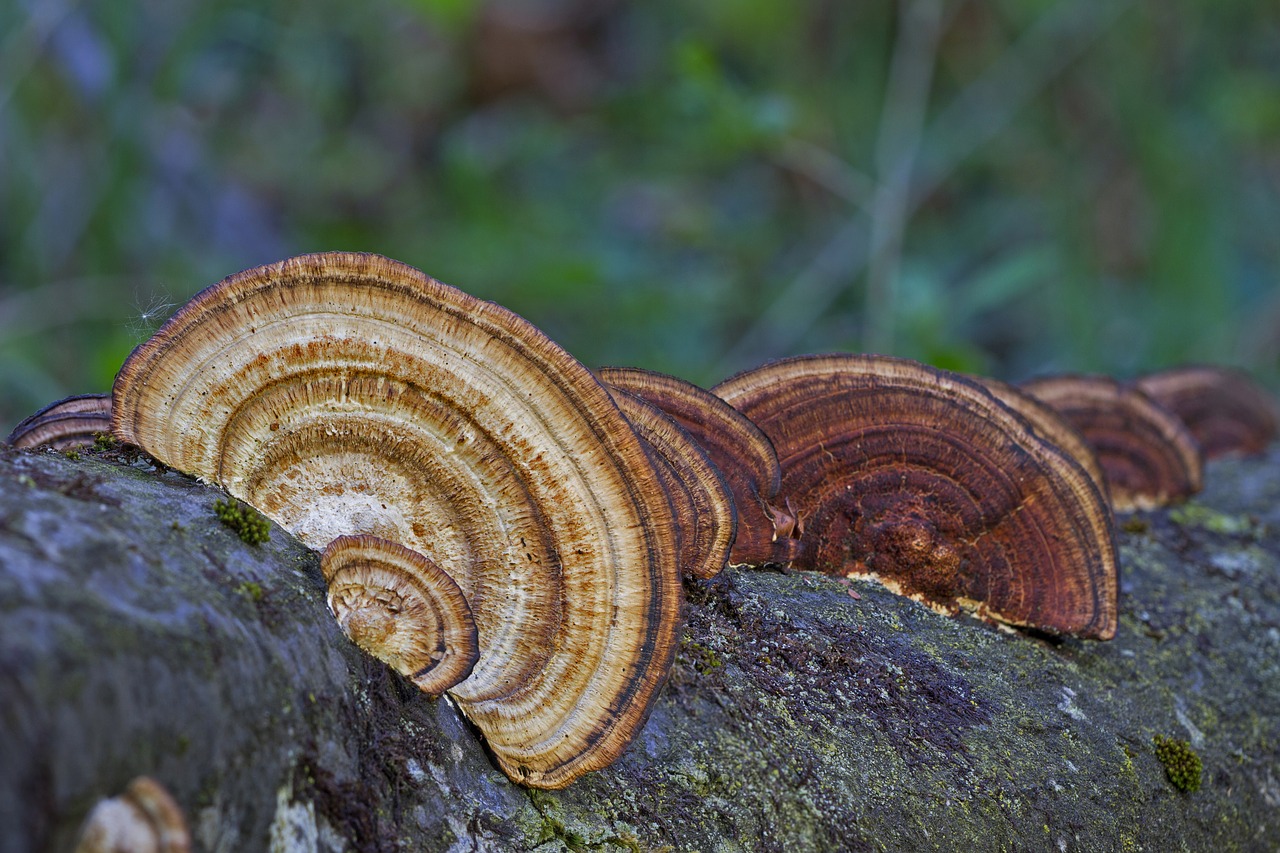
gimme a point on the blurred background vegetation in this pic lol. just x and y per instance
(1001, 186)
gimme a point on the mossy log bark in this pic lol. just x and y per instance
(138, 635)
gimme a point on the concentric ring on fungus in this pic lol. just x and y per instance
(70, 422)
(346, 393)
(1149, 457)
(401, 608)
(1051, 426)
(1226, 411)
(704, 511)
(924, 480)
(740, 451)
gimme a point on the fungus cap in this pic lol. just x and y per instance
(143, 819)
(1225, 410)
(401, 608)
(1049, 425)
(1148, 456)
(67, 423)
(345, 393)
(923, 479)
(738, 449)
(704, 509)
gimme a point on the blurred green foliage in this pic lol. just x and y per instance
(686, 187)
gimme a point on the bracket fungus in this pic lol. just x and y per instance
(143, 819)
(705, 517)
(924, 480)
(345, 393)
(71, 422)
(1148, 456)
(767, 528)
(1226, 411)
(1051, 426)
(401, 608)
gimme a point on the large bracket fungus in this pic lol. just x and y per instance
(401, 608)
(924, 480)
(705, 517)
(1226, 411)
(68, 423)
(1147, 454)
(767, 529)
(346, 393)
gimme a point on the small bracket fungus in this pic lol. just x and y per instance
(345, 393)
(704, 510)
(1148, 456)
(1226, 411)
(922, 479)
(739, 450)
(70, 423)
(144, 819)
(401, 608)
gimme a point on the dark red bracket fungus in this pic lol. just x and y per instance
(924, 480)
(73, 422)
(401, 608)
(1049, 425)
(767, 529)
(1148, 456)
(705, 517)
(144, 819)
(1226, 411)
(346, 393)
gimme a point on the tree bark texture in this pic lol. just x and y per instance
(138, 635)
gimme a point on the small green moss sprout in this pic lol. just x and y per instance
(1135, 524)
(72, 453)
(1180, 761)
(103, 441)
(249, 524)
(702, 657)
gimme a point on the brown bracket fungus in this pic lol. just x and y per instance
(144, 819)
(1049, 425)
(345, 393)
(1148, 456)
(924, 480)
(739, 450)
(1226, 411)
(704, 509)
(73, 422)
(401, 608)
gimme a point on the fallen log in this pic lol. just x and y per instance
(141, 636)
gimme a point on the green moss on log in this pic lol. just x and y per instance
(1181, 764)
(250, 525)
